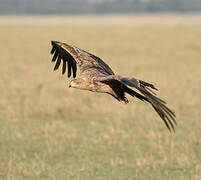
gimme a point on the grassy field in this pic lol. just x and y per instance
(49, 131)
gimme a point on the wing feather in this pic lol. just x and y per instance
(158, 104)
(64, 67)
(69, 69)
(53, 49)
(55, 55)
(57, 63)
(75, 57)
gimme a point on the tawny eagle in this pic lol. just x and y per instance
(95, 75)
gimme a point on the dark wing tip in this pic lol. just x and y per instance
(54, 42)
(148, 84)
(61, 54)
(53, 47)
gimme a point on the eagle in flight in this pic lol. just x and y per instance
(96, 76)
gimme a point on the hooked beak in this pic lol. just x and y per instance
(71, 84)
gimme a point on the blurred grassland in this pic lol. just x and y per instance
(51, 132)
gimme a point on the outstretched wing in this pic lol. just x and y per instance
(147, 94)
(73, 57)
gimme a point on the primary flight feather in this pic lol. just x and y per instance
(95, 75)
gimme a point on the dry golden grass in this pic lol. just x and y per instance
(51, 132)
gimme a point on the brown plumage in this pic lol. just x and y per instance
(97, 76)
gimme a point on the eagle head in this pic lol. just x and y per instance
(74, 83)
